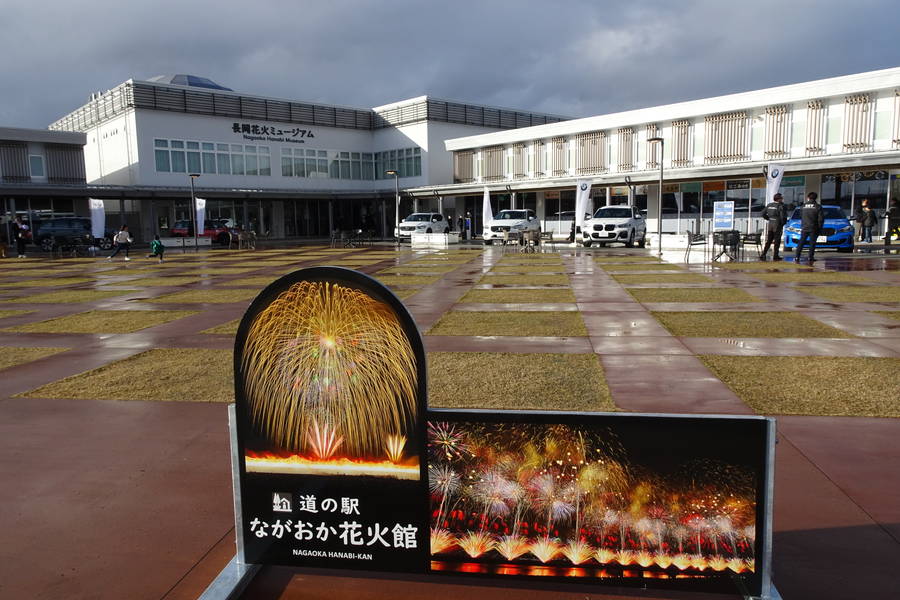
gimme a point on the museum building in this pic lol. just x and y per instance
(838, 137)
(281, 168)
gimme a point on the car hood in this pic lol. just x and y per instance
(835, 223)
(509, 222)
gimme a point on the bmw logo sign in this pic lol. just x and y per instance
(775, 173)
(583, 186)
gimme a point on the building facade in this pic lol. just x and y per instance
(838, 137)
(278, 167)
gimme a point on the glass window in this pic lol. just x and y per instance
(237, 148)
(223, 162)
(178, 163)
(417, 166)
(162, 161)
(356, 169)
(237, 164)
(344, 155)
(265, 166)
(192, 145)
(334, 168)
(36, 165)
(193, 162)
(323, 167)
(309, 152)
(368, 171)
(208, 146)
(222, 147)
(287, 166)
(299, 167)
(250, 149)
(177, 144)
(252, 164)
(345, 168)
(161, 143)
(209, 162)
(263, 149)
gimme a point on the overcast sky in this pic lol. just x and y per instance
(576, 58)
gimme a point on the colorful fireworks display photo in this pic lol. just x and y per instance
(518, 498)
(330, 384)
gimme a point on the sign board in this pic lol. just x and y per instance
(340, 464)
(723, 214)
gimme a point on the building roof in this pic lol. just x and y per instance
(189, 81)
(18, 134)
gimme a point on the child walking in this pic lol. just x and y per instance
(156, 248)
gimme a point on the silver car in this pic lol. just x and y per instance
(422, 223)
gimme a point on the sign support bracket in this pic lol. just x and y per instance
(237, 574)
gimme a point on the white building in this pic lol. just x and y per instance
(839, 137)
(280, 167)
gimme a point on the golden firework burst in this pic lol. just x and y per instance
(325, 354)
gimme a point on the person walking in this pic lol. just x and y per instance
(859, 218)
(892, 216)
(775, 215)
(22, 233)
(122, 240)
(812, 217)
(157, 248)
(869, 220)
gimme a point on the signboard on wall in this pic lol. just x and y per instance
(342, 465)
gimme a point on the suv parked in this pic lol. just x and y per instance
(422, 223)
(49, 232)
(516, 221)
(609, 224)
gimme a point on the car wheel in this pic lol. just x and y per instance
(446, 230)
(428, 230)
(602, 244)
(850, 249)
(586, 244)
(488, 242)
(643, 242)
(104, 243)
(630, 242)
(47, 244)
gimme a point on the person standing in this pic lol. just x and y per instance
(892, 216)
(775, 215)
(469, 235)
(812, 217)
(869, 220)
(122, 240)
(21, 232)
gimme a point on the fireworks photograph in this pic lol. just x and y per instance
(643, 499)
(330, 382)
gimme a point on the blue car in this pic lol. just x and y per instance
(837, 232)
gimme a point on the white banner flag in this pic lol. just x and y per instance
(98, 218)
(582, 198)
(487, 215)
(773, 180)
(201, 215)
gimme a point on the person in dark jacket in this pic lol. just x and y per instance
(812, 217)
(869, 220)
(893, 221)
(775, 215)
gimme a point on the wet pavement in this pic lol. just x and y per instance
(104, 499)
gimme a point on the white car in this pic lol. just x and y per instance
(623, 224)
(516, 221)
(422, 223)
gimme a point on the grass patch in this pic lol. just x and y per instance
(890, 314)
(691, 295)
(847, 293)
(212, 296)
(746, 324)
(48, 282)
(525, 280)
(13, 313)
(229, 328)
(613, 267)
(69, 296)
(167, 375)
(42, 271)
(860, 387)
(517, 381)
(504, 296)
(260, 281)
(10, 357)
(418, 269)
(405, 293)
(158, 281)
(662, 278)
(355, 262)
(811, 276)
(540, 323)
(224, 271)
(393, 280)
(104, 321)
(525, 268)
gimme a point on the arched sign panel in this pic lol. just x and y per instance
(330, 401)
(342, 465)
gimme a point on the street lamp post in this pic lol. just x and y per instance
(396, 176)
(192, 177)
(659, 140)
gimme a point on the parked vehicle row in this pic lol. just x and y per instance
(219, 230)
(50, 232)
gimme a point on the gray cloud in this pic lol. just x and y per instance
(577, 57)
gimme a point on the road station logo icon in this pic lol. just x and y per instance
(282, 502)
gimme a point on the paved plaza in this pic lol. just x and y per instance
(116, 378)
